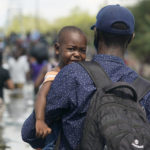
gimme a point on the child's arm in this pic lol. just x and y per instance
(42, 129)
(40, 77)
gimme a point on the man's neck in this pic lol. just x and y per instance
(114, 51)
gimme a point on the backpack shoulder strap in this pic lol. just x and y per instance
(96, 73)
(142, 87)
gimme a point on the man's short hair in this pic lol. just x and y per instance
(115, 39)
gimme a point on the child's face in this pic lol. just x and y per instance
(72, 48)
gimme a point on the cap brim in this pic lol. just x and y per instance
(92, 27)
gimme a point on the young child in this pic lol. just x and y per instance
(71, 47)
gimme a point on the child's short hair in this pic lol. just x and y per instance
(66, 29)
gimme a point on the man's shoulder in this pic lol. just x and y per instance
(72, 69)
(73, 72)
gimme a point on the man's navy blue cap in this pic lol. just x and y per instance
(111, 14)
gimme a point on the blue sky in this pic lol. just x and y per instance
(51, 9)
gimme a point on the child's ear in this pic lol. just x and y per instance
(56, 46)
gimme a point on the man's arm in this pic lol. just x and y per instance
(28, 133)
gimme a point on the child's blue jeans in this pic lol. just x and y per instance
(52, 138)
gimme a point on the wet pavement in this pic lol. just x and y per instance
(18, 105)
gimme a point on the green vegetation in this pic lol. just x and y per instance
(141, 44)
(27, 23)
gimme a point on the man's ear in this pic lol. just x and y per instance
(132, 37)
(56, 46)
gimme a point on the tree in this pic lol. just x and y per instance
(141, 45)
(27, 23)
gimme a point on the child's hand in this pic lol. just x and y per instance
(42, 130)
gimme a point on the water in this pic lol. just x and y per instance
(18, 105)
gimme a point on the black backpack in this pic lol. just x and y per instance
(115, 120)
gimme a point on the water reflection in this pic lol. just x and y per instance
(19, 105)
(2, 142)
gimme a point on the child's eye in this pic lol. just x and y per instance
(71, 49)
(83, 51)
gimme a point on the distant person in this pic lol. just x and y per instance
(19, 67)
(70, 47)
(38, 58)
(46, 68)
(53, 61)
(72, 89)
(5, 82)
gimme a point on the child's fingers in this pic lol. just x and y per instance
(49, 130)
(39, 133)
(43, 132)
(46, 132)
